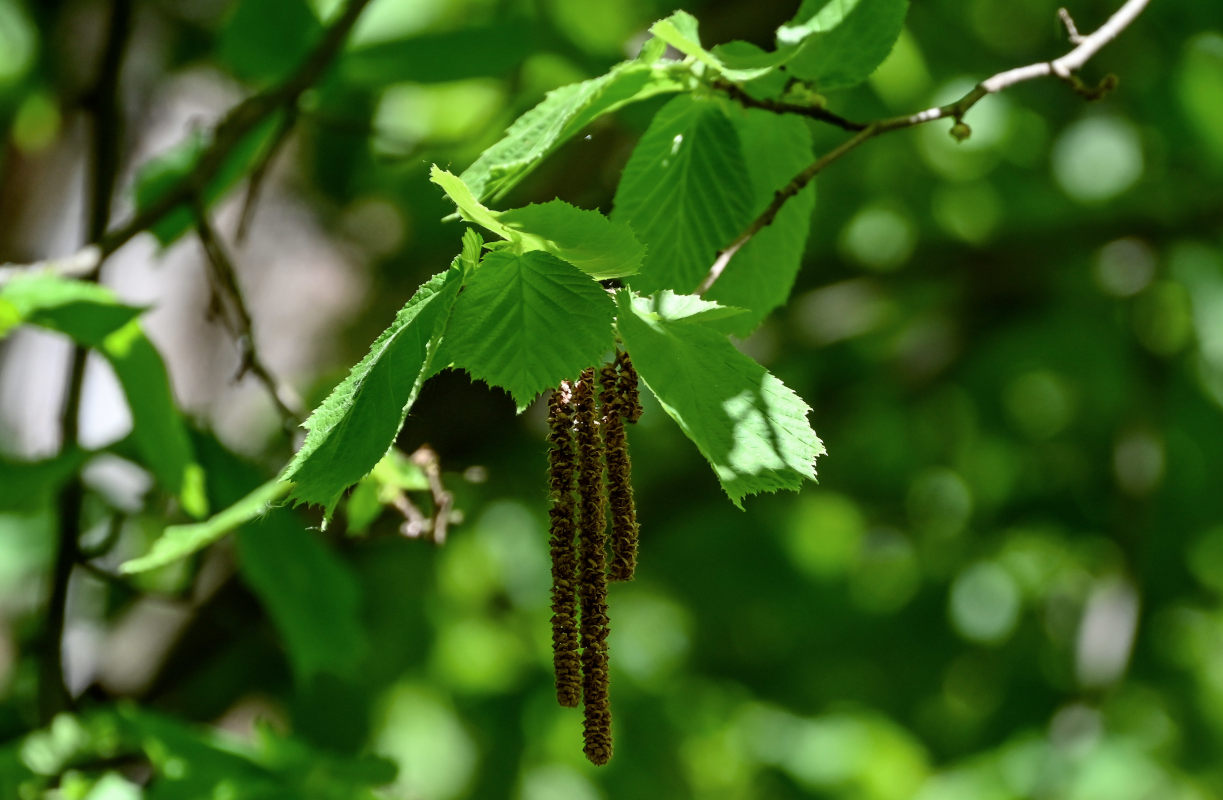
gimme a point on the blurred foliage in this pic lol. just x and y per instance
(1008, 585)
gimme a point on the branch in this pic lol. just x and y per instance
(255, 182)
(779, 107)
(226, 136)
(225, 282)
(1063, 68)
(104, 102)
(240, 121)
(80, 264)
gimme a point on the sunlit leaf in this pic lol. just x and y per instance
(180, 541)
(685, 192)
(563, 113)
(526, 322)
(760, 275)
(841, 42)
(751, 428)
(358, 422)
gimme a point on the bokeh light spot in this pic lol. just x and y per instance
(985, 603)
(826, 535)
(1040, 402)
(879, 238)
(1098, 158)
(17, 43)
(1124, 267)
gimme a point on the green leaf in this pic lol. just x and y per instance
(32, 485)
(180, 541)
(266, 40)
(672, 306)
(469, 207)
(527, 321)
(680, 31)
(312, 596)
(166, 171)
(585, 238)
(754, 68)
(473, 245)
(92, 316)
(486, 50)
(761, 274)
(358, 422)
(563, 113)
(751, 428)
(841, 42)
(158, 430)
(82, 310)
(685, 192)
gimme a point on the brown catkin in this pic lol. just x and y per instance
(627, 388)
(592, 572)
(562, 485)
(619, 482)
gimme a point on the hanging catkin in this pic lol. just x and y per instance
(626, 387)
(616, 407)
(592, 571)
(562, 485)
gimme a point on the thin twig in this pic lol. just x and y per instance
(225, 285)
(426, 458)
(255, 182)
(779, 107)
(53, 693)
(240, 121)
(1063, 68)
(1072, 30)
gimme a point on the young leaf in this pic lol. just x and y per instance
(469, 207)
(180, 541)
(671, 306)
(359, 420)
(685, 193)
(761, 274)
(563, 113)
(473, 247)
(585, 238)
(92, 316)
(680, 31)
(841, 42)
(84, 311)
(751, 428)
(526, 322)
(32, 485)
(158, 430)
(167, 170)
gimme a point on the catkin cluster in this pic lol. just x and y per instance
(588, 477)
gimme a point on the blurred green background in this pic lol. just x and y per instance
(1008, 584)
